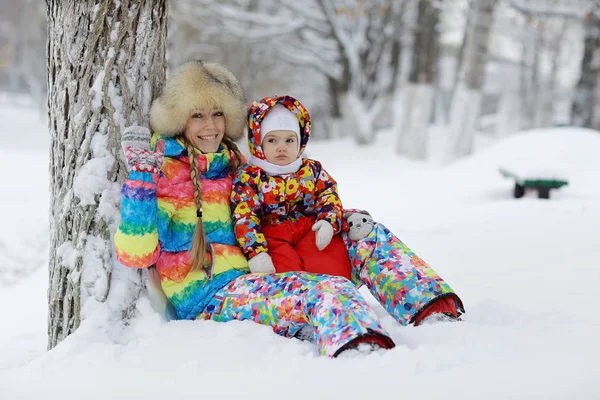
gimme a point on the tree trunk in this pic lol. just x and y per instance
(424, 62)
(106, 62)
(585, 106)
(467, 99)
(417, 107)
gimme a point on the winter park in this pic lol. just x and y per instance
(326, 199)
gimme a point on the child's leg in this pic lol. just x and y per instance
(332, 260)
(280, 244)
(286, 302)
(401, 281)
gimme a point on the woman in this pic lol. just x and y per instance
(175, 214)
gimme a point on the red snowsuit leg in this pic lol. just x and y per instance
(292, 247)
(332, 260)
(280, 240)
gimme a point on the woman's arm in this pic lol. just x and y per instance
(136, 240)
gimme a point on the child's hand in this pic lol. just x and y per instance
(135, 142)
(261, 262)
(324, 233)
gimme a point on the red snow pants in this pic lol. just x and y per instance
(292, 247)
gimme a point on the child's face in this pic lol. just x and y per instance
(280, 147)
(205, 129)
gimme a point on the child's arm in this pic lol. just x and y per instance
(328, 205)
(246, 211)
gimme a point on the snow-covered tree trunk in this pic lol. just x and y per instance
(106, 62)
(467, 99)
(549, 101)
(587, 100)
(417, 102)
(508, 117)
(419, 93)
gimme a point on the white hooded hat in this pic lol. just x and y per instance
(279, 118)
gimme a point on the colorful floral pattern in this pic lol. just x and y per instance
(401, 281)
(259, 199)
(288, 301)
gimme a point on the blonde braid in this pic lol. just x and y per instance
(236, 151)
(198, 250)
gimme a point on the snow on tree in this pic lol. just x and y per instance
(349, 43)
(244, 36)
(367, 34)
(106, 62)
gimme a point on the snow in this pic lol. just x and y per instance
(527, 271)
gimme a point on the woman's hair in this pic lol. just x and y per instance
(236, 151)
(198, 249)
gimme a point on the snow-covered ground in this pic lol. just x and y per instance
(527, 270)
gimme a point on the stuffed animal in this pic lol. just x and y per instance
(360, 224)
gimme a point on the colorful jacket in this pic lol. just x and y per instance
(259, 199)
(158, 218)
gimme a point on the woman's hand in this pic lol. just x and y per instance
(324, 233)
(135, 142)
(261, 262)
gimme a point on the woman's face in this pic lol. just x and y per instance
(280, 147)
(205, 129)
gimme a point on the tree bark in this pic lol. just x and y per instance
(106, 62)
(587, 100)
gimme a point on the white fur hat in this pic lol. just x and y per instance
(199, 84)
(279, 118)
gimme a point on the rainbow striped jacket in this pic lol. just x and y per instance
(158, 218)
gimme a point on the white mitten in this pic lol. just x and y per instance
(261, 263)
(324, 233)
(135, 142)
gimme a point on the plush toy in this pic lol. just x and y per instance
(360, 224)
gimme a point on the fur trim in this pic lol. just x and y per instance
(199, 84)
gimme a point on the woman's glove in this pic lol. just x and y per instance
(261, 262)
(135, 142)
(324, 233)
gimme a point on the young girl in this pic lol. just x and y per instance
(288, 216)
(175, 214)
(287, 211)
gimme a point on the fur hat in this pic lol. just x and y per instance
(199, 84)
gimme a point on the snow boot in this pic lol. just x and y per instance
(447, 307)
(367, 343)
(306, 333)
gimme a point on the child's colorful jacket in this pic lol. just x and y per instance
(158, 218)
(258, 198)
